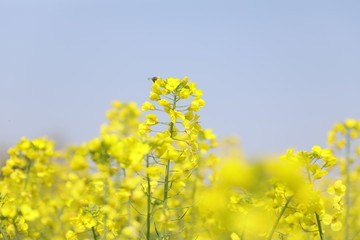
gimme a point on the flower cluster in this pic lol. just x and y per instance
(153, 173)
(344, 139)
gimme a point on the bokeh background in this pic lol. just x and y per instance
(278, 74)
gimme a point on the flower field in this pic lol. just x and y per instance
(154, 173)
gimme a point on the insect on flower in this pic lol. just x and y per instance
(154, 78)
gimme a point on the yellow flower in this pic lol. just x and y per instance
(7, 170)
(170, 153)
(331, 137)
(354, 133)
(151, 119)
(339, 128)
(198, 93)
(17, 176)
(209, 135)
(338, 203)
(116, 104)
(129, 232)
(29, 213)
(164, 102)
(328, 157)
(79, 162)
(154, 171)
(143, 128)
(338, 188)
(154, 96)
(174, 115)
(333, 221)
(234, 236)
(172, 84)
(350, 123)
(192, 86)
(317, 150)
(341, 143)
(110, 139)
(320, 173)
(8, 210)
(184, 93)
(94, 144)
(189, 115)
(147, 106)
(317, 171)
(196, 104)
(70, 235)
(88, 220)
(21, 224)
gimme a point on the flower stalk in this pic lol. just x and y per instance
(148, 213)
(278, 219)
(94, 233)
(347, 182)
(318, 222)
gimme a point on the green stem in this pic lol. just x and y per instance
(347, 182)
(278, 219)
(167, 170)
(94, 233)
(193, 217)
(105, 200)
(148, 215)
(28, 167)
(128, 207)
(166, 185)
(318, 222)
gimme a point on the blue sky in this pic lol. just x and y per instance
(278, 74)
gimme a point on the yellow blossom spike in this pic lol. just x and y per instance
(350, 123)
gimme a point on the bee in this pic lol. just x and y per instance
(154, 79)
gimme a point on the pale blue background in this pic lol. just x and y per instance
(278, 74)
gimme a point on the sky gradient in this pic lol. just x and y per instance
(277, 74)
